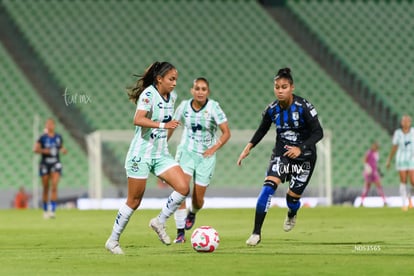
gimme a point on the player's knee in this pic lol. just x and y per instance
(183, 189)
(270, 183)
(293, 203)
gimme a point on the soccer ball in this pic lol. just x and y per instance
(205, 239)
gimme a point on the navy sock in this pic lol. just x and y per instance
(53, 203)
(262, 205)
(293, 204)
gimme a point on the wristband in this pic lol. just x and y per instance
(162, 125)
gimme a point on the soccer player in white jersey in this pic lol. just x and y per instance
(196, 153)
(403, 145)
(148, 152)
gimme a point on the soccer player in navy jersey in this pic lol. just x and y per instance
(294, 154)
(49, 146)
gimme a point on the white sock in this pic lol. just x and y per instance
(174, 201)
(403, 193)
(121, 221)
(180, 216)
(194, 210)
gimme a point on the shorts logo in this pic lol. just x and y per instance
(298, 169)
(135, 163)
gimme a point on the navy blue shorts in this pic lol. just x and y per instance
(298, 173)
(46, 168)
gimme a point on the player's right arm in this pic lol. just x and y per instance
(257, 137)
(391, 155)
(141, 119)
(39, 150)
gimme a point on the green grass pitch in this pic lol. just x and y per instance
(325, 241)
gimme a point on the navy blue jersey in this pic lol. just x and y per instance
(298, 125)
(54, 143)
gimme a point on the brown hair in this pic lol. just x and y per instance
(149, 77)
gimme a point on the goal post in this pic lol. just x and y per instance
(227, 173)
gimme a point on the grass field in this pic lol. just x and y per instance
(326, 241)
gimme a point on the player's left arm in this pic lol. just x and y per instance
(316, 134)
(225, 136)
(63, 149)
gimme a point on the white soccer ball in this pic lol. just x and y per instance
(205, 239)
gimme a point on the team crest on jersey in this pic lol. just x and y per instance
(295, 116)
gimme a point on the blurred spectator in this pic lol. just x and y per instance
(371, 173)
(21, 200)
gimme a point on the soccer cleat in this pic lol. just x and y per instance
(159, 228)
(180, 238)
(113, 247)
(289, 223)
(49, 215)
(253, 240)
(189, 221)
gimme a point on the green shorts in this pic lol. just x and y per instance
(199, 167)
(404, 164)
(137, 167)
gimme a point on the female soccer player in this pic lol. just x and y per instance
(371, 173)
(403, 145)
(49, 145)
(294, 154)
(148, 152)
(196, 152)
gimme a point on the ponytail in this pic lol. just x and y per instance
(148, 78)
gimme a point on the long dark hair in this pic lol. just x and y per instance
(149, 77)
(284, 73)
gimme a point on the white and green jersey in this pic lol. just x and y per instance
(405, 151)
(152, 142)
(200, 126)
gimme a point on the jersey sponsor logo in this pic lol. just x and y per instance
(162, 106)
(289, 135)
(195, 127)
(313, 112)
(166, 119)
(156, 134)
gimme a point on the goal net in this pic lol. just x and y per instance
(227, 176)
